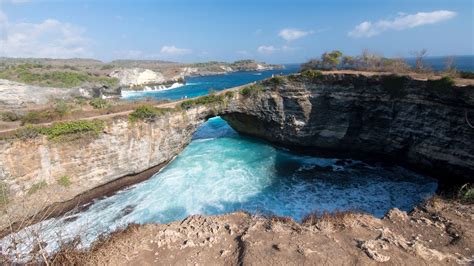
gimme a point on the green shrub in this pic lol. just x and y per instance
(61, 108)
(62, 129)
(64, 181)
(99, 103)
(80, 101)
(57, 130)
(252, 90)
(394, 85)
(10, 116)
(27, 132)
(274, 81)
(33, 117)
(312, 74)
(442, 85)
(229, 94)
(143, 112)
(466, 193)
(203, 100)
(36, 187)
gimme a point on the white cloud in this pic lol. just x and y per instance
(293, 34)
(173, 50)
(243, 53)
(401, 22)
(50, 38)
(267, 49)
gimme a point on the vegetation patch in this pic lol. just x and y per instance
(466, 74)
(229, 94)
(203, 100)
(274, 81)
(64, 181)
(312, 74)
(27, 132)
(38, 74)
(36, 187)
(58, 130)
(147, 113)
(466, 193)
(10, 116)
(442, 85)
(61, 108)
(252, 90)
(395, 85)
(99, 103)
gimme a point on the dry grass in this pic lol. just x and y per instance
(331, 222)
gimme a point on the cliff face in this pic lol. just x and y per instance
(30, 170)
(423, 124)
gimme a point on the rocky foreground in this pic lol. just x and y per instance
(437, 233)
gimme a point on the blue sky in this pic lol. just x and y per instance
(272, 31)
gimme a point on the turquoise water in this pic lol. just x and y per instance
(199, 86)
(221, 172)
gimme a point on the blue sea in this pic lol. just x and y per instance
(438, 63)
(203, 85)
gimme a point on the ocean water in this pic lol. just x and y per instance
(202, 85)
(438, 63)
(221, 172)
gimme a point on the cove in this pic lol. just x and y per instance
(202, 85)
(221, 171)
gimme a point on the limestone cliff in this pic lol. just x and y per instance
(30, 169)
(422, 124)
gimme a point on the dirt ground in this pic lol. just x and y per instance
(435, 233)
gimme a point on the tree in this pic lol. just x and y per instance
(420, 61)
(348, 61)
(311, 64)
(331, 59)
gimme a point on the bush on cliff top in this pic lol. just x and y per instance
(73, 127)
(61, 129)
(443, 84)
(99, 103)
(147, 113)
(274, 81)
(252, 90)
(204, 100)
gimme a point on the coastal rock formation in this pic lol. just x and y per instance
(439, 233)
(15, 95)
(30, 168)
(137, 76)
(418, 123)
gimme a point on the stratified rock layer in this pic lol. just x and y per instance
(423, 124)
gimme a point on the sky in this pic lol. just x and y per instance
(277, 31)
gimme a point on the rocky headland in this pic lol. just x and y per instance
(423, 124)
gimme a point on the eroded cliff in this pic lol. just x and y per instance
(419, 123)
(37, 172)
